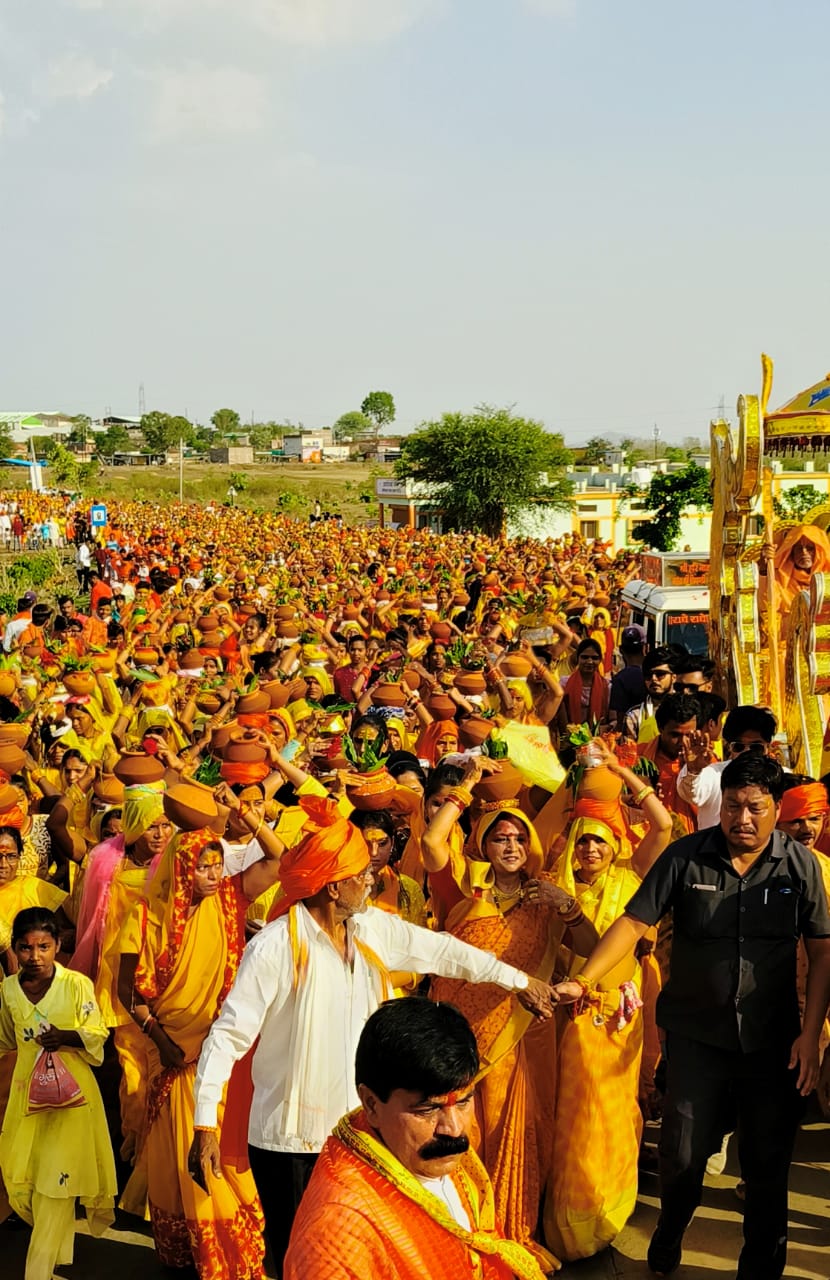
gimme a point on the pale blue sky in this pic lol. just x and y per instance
(599, 210)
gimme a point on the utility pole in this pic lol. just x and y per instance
(181, 470)
(656, 434)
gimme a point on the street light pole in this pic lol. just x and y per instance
(181, 470)
(656, 434)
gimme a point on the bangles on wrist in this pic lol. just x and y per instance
(460, 797)
(149, 1022)
(642, 793)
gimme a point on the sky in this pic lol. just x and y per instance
(598, 211)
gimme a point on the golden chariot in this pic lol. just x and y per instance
(754, 663)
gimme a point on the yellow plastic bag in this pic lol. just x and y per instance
(529, 749)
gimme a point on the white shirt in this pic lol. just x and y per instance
(264, 1002)
(703, 791)
(445, 1190)
(238, 857)
(14, 629)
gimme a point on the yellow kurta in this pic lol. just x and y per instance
(56, 1153)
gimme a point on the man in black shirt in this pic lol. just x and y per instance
(741, 894)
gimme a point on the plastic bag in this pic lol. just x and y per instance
(529, 749)
(52, 1085)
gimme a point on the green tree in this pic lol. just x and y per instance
(155, 428)
(226, 422)
(595, 450)
(674, 453)
(633, 453)
(81, 431)
(116, 439)
(484, 466)
(63, 468)
(379, 406)
(667, 497)
(238, 480)
(262, 433)
(354, 425)
(795, 503)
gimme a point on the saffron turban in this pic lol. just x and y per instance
(809, 801)
(333, 850)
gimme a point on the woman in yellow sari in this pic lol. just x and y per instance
(598, 1121)
(505, 904)
(181, 951)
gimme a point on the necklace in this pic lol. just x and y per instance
(502, 899)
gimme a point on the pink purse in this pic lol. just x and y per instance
(52, 1085)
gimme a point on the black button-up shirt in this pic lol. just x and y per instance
(732, 980)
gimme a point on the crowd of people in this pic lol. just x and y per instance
(363, 890)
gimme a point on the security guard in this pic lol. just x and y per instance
(741, 894)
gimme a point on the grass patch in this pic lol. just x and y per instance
(290, 488)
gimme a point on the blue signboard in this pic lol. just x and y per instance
(98, 516)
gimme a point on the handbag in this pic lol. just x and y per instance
(52, 1085)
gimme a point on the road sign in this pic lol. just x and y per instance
(98, 516)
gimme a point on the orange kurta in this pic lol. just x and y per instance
(368, 1219)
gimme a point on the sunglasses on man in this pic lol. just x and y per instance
(659, 673)
(759, 748)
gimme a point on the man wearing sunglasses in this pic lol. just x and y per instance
(658, 674)
(694, 676)
(745, 730)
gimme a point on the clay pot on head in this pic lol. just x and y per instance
(461, 599)
(441, 631)
(191, 806)
(599, 783)
(244, 748)
(7, 684)
(474, 730)
(499, 786)
(79, 682)
(440, 707)
(287, 630)
(410, 679)
(108, 789)
(516, 666)
(470, 682)
(222, 593)
(297, 689)
(253, 704)
(374, 791)
(208, 702)
(12, 759)
(31, 651)
(136, 768)
(191, 661)
(144, 656)
(103, 661)
(285, 613)
(220, 737)
(388, 694)
(277, 693)
(17, 734)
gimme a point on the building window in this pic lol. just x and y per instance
(587, 506)
(589, 529)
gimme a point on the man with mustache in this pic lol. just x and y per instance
(737, 1053)
(397, 1194)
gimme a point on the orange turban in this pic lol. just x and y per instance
(809, 801)
(333, 850)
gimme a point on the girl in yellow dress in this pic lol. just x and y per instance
(57, 1155)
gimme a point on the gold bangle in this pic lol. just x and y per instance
(641, 795)
(582, 981)
(461, 796)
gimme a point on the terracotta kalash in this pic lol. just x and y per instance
(769, 585)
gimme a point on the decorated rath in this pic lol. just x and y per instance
(769, 580)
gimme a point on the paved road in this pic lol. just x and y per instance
(713, 1240)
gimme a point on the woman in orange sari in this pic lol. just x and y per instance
(587, 691)
(598, 1122)
(181, 951)
(504, 904)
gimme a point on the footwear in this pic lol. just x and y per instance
(663, 1255)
